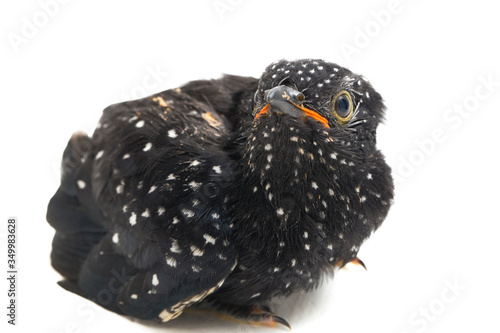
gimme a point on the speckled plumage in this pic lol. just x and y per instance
(221, 191)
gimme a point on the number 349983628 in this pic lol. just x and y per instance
(11, 240)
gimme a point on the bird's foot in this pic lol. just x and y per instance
(262, 315)
(257, 315)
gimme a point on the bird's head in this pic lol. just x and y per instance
(311, 150)
(318, 93)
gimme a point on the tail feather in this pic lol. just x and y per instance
(76, 153)
(76, 232)
(69, 251)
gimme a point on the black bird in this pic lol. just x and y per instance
(224, 192)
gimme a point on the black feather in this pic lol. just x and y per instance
(198, 193)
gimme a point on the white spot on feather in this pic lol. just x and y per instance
(133, 219)
(155, 280)
(172, 134)
(217, 169)
(187, 212)
(171, 261)
(209, 239)
(196, 251)
(194, 163)
(194, 185)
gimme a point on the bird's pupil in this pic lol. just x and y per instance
(342, 106)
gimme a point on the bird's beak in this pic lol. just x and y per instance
(286, 100)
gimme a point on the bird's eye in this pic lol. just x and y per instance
(342, 107)
(300, 97)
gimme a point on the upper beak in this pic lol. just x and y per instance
(286, 100)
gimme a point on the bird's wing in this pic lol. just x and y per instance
(154, 177)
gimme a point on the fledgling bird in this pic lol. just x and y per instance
(225, 192)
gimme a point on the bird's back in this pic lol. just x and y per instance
(150, 183)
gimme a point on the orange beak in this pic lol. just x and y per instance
(307, 112)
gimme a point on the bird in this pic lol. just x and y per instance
(223, 193)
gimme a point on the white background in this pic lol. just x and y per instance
(432, 267)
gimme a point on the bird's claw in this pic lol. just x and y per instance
(262, 315)
(278, 320)
(358, 262)
(256, 315)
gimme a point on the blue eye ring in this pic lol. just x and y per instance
(342, 107)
